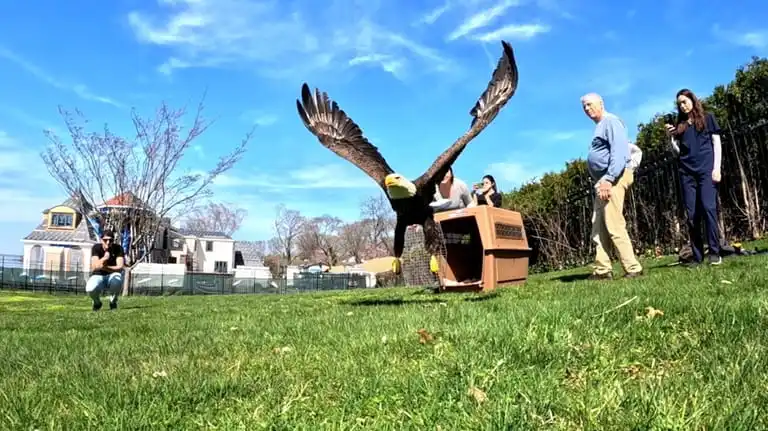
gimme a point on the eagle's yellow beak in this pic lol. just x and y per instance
(390, 181)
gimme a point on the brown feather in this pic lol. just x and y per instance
(340, 134)
(500, 89)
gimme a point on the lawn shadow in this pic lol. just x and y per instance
(482, 297)
(570, 278)
(137, 306)
(390, 301)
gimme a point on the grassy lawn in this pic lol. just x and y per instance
(553, 354)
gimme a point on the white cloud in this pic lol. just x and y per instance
(25, 185)
(513, 173)
(314, 177)
(432, 16)
(616, 76)
(80, 90)
(280, 42)
(259, 118)
(548, 135)
(652, 106)
(757, 39)
(513, 32)
(481, 19)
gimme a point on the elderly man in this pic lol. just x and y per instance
(610, 166)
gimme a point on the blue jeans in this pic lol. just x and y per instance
(112, 283)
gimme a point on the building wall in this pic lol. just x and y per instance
(203, 260)
(53, 257)
(223, 251)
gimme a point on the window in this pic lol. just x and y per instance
(176, 244)
(209, 246)
(61, 220)
(220, 266)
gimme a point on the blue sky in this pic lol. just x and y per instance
(406, 72)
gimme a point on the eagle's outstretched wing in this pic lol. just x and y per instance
(336, 131)
(500, 89)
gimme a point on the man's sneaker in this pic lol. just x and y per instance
(97, 306)
(112, 305)
(634, 274)
(605, 276)
(715, 259)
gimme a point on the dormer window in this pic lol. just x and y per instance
(61, 220)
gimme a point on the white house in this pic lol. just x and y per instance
(202, 251)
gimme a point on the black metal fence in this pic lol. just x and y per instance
(653, 206)
(16, 277)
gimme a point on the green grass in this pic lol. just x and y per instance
(552, 354)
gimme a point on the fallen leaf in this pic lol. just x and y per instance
(633, 371)
(424, 336)
(350, 313)
(157, 374)
(726, 282)
(281, 349)
(651, 312)
(477, 394)
(384, 339)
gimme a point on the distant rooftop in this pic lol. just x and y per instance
(202, 233)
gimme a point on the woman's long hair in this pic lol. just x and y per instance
(696, 114)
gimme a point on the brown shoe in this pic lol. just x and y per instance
(634, 274)
(605, 276)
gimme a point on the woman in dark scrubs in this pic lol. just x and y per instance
(696, 139)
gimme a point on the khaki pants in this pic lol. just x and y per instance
(610, 229)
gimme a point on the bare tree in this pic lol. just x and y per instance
(322, 234)
(378, 213)
(355, 239)
(307, 246)
(288, 226)
(215, 217)
(142, 172)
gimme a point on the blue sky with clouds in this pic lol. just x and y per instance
(406, 72)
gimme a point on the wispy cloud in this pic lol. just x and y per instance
(259, 118)
(516, 172)
(553, 135)
(757, 39)
(317, 177)
(513, 32)
(433, 15)
(80, 90)
(278, 41)
(481, 19)
(25, 184)
(29, 120)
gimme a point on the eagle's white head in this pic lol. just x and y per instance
(399, 187)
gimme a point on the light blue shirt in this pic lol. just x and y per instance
(609, 150)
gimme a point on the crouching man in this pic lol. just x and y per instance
(107, 262)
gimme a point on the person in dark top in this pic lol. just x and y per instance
(696, 139)
(486, 193)
(107, 263)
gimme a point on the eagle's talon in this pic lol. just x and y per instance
(396, 266)
(434, 266)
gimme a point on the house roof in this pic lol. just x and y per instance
(70, 203)
(250, 251)
(123, 199)
(82, 233)
(203, 233)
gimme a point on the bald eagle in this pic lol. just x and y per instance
(409, 199)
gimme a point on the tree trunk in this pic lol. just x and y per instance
(126, 281)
